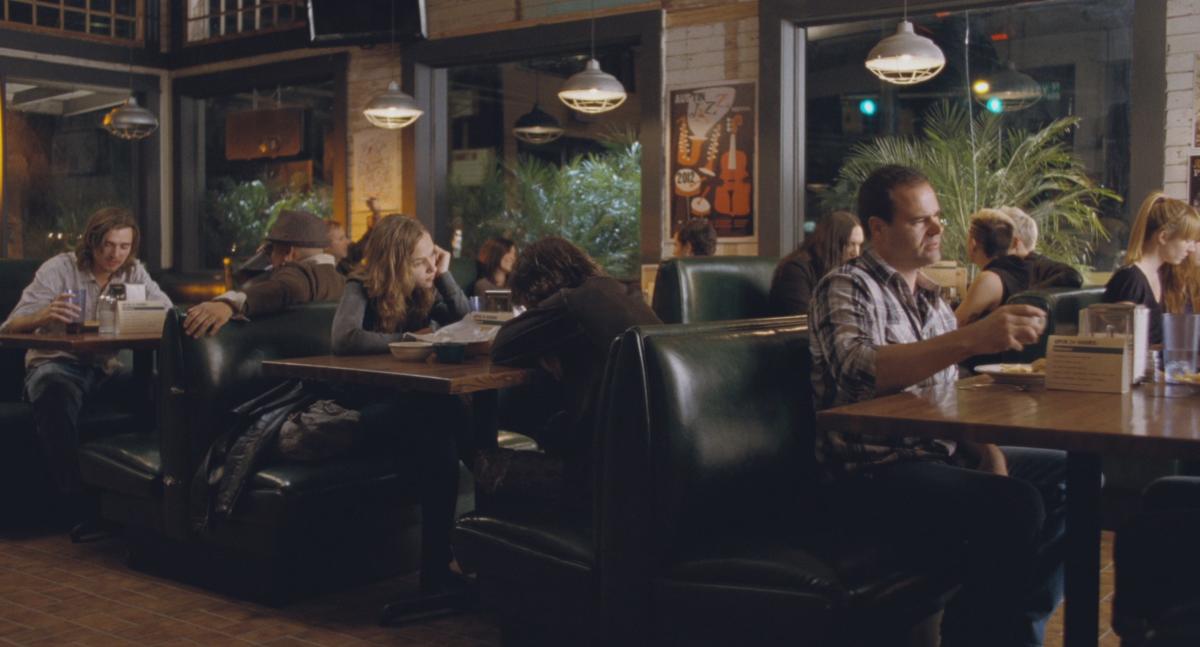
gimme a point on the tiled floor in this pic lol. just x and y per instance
(53, 592)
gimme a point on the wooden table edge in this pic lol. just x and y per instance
(287, 368)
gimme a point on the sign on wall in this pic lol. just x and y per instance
(712, 157)
(1194, 181)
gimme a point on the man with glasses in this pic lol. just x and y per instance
(301, 272)
(879, 326)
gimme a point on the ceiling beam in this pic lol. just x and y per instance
(35, 95)
(90, 103)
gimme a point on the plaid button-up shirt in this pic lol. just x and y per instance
(857, 308)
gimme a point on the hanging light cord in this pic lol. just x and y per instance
(970, 111)
(592, 38)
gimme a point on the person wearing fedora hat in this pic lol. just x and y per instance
(301, 272)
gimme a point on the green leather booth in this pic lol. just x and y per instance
(707, 525)
(713, 288)
(302, 523)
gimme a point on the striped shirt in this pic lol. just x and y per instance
(855, 309)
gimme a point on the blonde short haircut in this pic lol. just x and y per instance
(1026, 226)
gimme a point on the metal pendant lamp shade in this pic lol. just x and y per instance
(904, 58)
(392, 109)
(593, 90)
(537, 127)
(130, 121)
(1015, 89)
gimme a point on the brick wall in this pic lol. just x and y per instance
(1183, 46)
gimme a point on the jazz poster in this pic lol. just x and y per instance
(712, 157)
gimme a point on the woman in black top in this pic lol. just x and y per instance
(989, 241)
(493, 264)
(404, 285)
(1164, 233)
(837, 239)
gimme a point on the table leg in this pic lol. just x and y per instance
(1083, 550)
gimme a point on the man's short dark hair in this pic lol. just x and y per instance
(699, 234)
(875, 194)
(547, 266)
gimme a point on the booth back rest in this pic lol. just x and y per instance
(731, 429)
(201, 380)
(1062, 306)
(15, 274)
(713, 288)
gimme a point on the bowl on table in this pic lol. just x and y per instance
(411, 351)
(1018, 374)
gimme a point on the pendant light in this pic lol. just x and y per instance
(1014, 89)
(130, 121)
(593, 90)
(904, 58)
(393, 108)
(537, 126)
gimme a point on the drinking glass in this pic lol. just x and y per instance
(474, 304)
(1181, 341)
(77, 297)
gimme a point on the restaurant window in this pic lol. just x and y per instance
(209, 20)
(1073, 58)
(119, 20)
(584, 185)
(265, 149)
(59, 164)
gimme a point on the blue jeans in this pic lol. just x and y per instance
(57, 390)
(1013, 528)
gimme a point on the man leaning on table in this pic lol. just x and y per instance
(879, 327)
(58, 383)
(301, 272)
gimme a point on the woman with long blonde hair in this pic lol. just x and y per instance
(1163, 235)
(1181, 285)
(404, 286)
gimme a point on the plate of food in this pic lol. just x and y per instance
(1020, 374)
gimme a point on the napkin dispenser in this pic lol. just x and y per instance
(140, 317)
(1121, 320)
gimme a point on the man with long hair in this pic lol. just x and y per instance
(57, 383)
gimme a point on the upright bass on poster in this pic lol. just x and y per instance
(712, 161)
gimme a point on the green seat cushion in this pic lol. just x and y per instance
(129, 463)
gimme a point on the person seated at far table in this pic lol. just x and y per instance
(695, 238)
(1043, 272)
(989, 239)
(1164, 233)
(405, 285)
(575, 312)
(339, 246)
(837, 239)
(493, 265)
(879, 326)
(301, 272)
(57, 383)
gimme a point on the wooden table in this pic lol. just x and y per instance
(88, 342)
(475, 375)
(1144, 422)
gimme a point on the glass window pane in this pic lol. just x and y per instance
(101, 25)
(248, 177)
(266, 18)
(286, 14)
(69, 169)
(1053, 67)
(102, 5)
(75, 21)
(21, 12)
(79, 4)
(125, 29)
(47, 17)
(126, 7)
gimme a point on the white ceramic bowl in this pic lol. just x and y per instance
(410, 351)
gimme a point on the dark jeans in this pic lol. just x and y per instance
(1013, 528)
(430, 433)
(58, 390)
